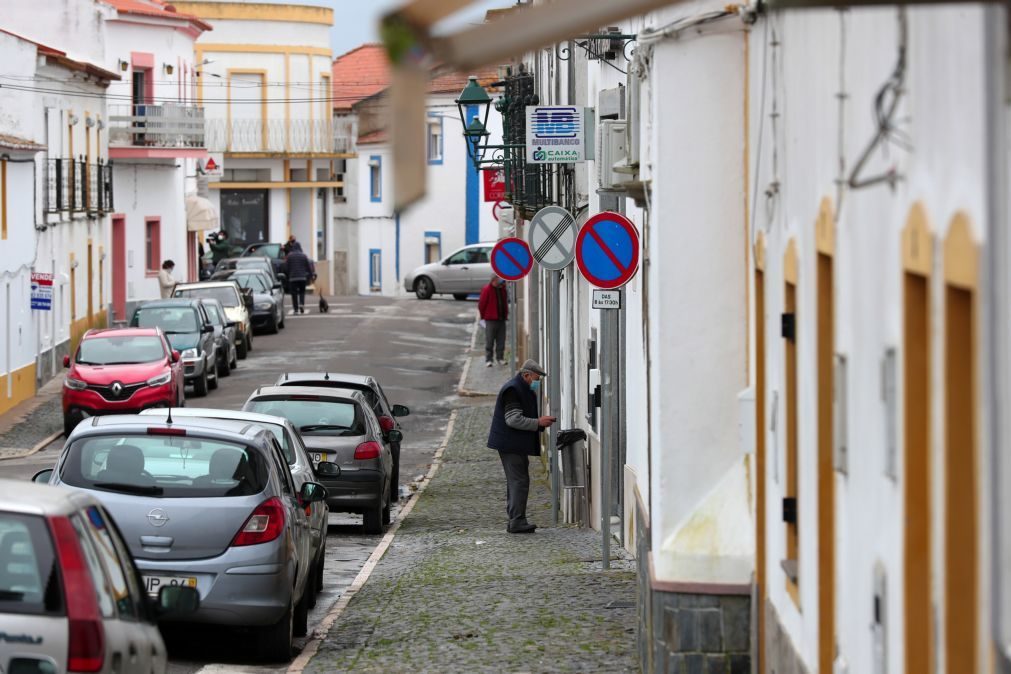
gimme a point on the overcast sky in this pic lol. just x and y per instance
(355, 21)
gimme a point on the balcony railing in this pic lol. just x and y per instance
(174, 125)
(278, 135)
(73, 185)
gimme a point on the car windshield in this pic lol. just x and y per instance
(29, 579)
(120, 350)
(229, 297)
(265, 249)
(172, 320)
(212, 311)
(165, 466)
(254, 281)
(252, 263)
(311, 414)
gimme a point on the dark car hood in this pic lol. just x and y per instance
(184, 340)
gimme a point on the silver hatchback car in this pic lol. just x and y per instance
(463, 272)
(70, 595)
(339, 426)
(205, 503)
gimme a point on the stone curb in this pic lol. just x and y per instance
(38, 447)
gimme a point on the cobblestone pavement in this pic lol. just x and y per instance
(23, 427)
(480, 380)
(456, 593)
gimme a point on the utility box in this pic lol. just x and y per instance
(612, 144)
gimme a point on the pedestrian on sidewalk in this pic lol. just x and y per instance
(515, 430)
(301, 270)
(165, 281)
(493, 305)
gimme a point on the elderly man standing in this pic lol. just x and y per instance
(493, 305)
(515, 428)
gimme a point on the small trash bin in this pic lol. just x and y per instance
(571, 446)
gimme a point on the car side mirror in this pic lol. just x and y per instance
(175, 356)
(43, 476)
(400, 411)
(66, 361)
(327, 469)
(311, 492)
(394, 436)
(207, 328)
(175, 601)
(231, 324)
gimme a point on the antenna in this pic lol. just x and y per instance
(326, 376)
(168, 419)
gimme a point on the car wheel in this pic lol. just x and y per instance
(280, 322)
(272, 326)
(200, 385)
(249, 341)
(241, 349)
(460, 296)
(275, 643)
(395, 476)
(372, 520)
(224, 367)
(386, 511)
(234, 352)
(424, 288)
(320, 567)
(301, 620)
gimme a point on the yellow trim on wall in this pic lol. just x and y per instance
(263, 103)
(917, 242)
(263, 49)
(961, 254)
(22, 387)
(241, 11)
(760, 251)
(824, 228)
(275, 186)
(790, 263)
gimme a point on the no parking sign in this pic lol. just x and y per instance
(511, 259)
(607, 250)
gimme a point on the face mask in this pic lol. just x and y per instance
(535, 386)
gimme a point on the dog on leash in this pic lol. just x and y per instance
(324, 306)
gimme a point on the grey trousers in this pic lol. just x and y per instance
(517, 473)
(494, 340)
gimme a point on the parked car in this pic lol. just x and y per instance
(338, 426)
(299, 463)
(249, 263)
(273, 252)
(268, 297)
(465, 271)
(386, 413)
(238, 307)
(71, 599)
(224, 336)
(205, 503)
(122, 370)
(189, 330)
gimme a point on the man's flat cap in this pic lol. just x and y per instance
(533, 366)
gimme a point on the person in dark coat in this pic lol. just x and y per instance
(220, 247)
(301, 271)
(515, 431)
(493, 305)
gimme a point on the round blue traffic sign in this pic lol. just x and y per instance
(607, 250)
(511, 259)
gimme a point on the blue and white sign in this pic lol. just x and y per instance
(555, 134)
(42, 291)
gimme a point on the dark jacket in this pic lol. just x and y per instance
(300, 267)
(493, 305)
(220, 250)
(505, 438)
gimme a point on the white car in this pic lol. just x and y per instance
(462, 273)
(238, 307)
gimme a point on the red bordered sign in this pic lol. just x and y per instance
(511, 259)
(607, 250)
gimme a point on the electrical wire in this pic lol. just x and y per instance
(125, 98)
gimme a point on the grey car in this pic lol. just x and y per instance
(189, 330)
(268, 298)
(462, 273)
(71, 598)
(301, 467)
(225, 332)
(339, 426)
(205, 503)
(386, 413)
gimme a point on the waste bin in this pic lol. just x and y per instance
(571, 445)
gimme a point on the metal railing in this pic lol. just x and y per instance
(73, 185)
(164, 125)
(278, 135)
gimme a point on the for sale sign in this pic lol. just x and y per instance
(42, 291)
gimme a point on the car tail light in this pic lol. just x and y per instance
(386, 423)
(264, 525)
(86, 642)
(154, 430)
(368, 450)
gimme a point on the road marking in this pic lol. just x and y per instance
(299, 664)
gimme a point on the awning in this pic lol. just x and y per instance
(200, 214)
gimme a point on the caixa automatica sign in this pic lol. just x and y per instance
(556, 134)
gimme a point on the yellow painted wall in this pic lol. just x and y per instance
(23, 387)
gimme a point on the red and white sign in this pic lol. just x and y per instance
(607, 250)
(494, 185)
(498, 208)
(42, 291)
(212, 167)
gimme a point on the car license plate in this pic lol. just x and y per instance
(317, 456)
(154, 583)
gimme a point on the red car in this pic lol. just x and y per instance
(119, 371)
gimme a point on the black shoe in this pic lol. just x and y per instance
(521, 527)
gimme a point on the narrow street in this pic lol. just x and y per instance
(414, 348)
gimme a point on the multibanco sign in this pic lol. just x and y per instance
(555, 134)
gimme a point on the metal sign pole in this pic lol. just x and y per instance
(554, 386)
(608, 398)
(512, 327)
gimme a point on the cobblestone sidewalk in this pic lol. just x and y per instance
(31, 422)
(456, 593)
(478, 379)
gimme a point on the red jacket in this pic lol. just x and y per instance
(493, 308)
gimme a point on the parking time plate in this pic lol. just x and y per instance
(318, 456)
(154, 583)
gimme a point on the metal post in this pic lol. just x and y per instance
(554, 386)
(513, 323)
(608, 399)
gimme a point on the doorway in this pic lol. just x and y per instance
(245, 216)
(119, 267)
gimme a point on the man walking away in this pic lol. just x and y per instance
(515, 428)
(493, 305)
(300, 271)
(165, 280)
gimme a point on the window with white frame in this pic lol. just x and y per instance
(375, 269)
(435, 140)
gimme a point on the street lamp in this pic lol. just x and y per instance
(475, 133)
(475, 103)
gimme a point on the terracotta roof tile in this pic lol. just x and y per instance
(9, 142)
(158, 8)
(374, 137)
